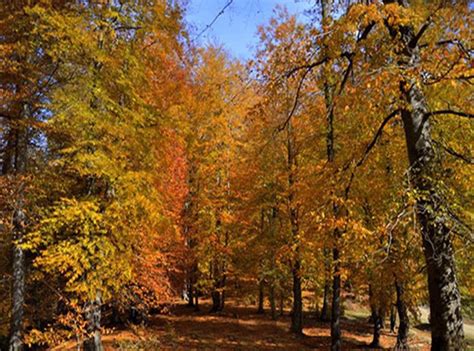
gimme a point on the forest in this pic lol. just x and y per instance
(157, 193)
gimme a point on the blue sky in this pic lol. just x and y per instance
(236, 28)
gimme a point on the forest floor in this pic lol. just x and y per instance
(241, 328)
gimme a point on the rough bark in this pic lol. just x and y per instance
(404, 324)
(18, 293)
(445, 300)
(93, 316)
(19, 146)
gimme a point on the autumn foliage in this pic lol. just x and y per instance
(137, 167)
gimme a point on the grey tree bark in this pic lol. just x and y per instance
(445, 299)
(20, 147)
(93, 315)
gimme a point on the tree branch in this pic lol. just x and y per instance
(369, 147)
(295, 104)
(450, 112)
(452, 152)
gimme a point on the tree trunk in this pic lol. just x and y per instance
(297, 313)
(216, 301)
(377, 330)
(403, 328)
(393, 318)
(336, 304)
(282, 302)
(18, 256)
(260, 309)
(221, 307)
(445, 300)
(325, 310)
(196, 300)
(190, 295)
(271, 296)
(93, 315)
(18, 294)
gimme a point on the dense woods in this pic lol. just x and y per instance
(138, 167)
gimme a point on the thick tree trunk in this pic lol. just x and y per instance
(260, 309)
(216, 301)
(297, 312)
(93, 315)
(404, 325)
(377, 330)
(445, 299)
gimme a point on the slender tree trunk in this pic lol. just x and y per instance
(190, 289)
(221, 307)
(282, 302)
(393, 318)
(18, 255)
(271, 297)
(325, 310)
(336, 283)
(18, 294)
(93, 316)
(260, 309)
(404, 324)
(373, 312)
(297, 313)
(196, 300)
(336, 304)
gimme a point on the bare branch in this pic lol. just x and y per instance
(452, 152)
(450, 112)
(221, 12)
(295, 103)
(369, 147)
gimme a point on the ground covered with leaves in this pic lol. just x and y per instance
(239, 327)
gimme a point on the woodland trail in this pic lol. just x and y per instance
(241, 328)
